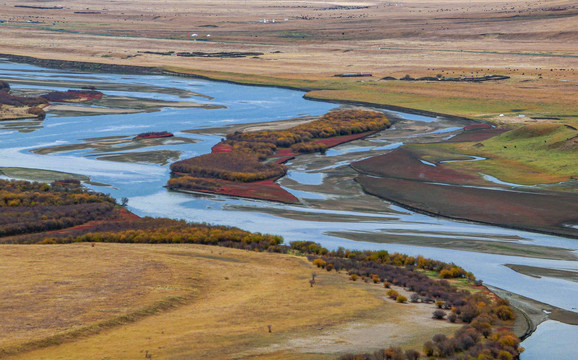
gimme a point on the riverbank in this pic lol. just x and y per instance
(347, 93)
(310, 43)
(160, 289)
(420, 180)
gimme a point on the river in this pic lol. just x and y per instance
(317, 219)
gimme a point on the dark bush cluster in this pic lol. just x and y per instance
(38, 112)
(4, 86)
(381, 257)
(468, 343)
(192, 183)
(27, 208)
(477, 312)
(163, 231)
(25, 220)
(425, 288)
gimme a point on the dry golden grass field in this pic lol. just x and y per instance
(118, 301)
(532, 41)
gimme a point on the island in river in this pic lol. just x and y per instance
(248, 164)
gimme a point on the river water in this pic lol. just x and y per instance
(142, 183)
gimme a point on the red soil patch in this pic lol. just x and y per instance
(477, 134)
(221, 148)
(477, 126)
(285, 152)
(122, 214)
(261, 190)
(125, 215)
(402, 163)
(284, 159)
(73, 95)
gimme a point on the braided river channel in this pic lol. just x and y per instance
(94, 141)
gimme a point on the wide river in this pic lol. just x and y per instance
(142, 183)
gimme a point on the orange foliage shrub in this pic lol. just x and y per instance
(392, 294)
(336, 123)
(401, 299)
(320, 263)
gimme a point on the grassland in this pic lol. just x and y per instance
(310, 42)
(532, 154)
(189, 301)
(529, 155)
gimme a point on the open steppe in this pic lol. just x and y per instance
(533, 42)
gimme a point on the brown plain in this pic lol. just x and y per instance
(534, 42)
(194, 302)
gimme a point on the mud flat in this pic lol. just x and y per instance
(267, 126)
(548, 211)
(100, 145)
(161, 157)
(539, 272)
(43, 175)
(460, 243)
(8, 113)
(87, 110)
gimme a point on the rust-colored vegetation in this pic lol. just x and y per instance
(153, 135)
(29, 210)
(258, 156)
(21, 106)
(239, 166)
(20, 101)
(34, 207)
(73, 95)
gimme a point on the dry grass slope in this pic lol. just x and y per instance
(188, 301)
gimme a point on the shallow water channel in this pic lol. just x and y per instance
(328, 213)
